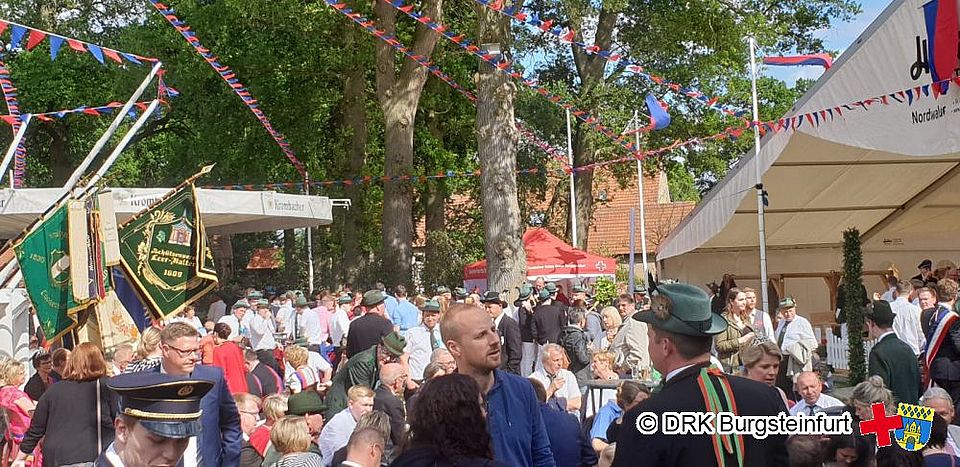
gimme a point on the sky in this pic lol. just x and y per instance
(837, 38)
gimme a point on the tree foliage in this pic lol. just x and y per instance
(852, 306)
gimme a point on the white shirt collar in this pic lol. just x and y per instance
(678, 370)
(496, 321)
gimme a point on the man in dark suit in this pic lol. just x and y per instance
(387, 399)
(219, 441)
(508, 329)
(891, 358)
(261, 378)
(367, 330)
(549, 317)
(942, 357)
(681, 327)
(362, 369)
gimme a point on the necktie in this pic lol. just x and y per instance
(783, 331)
(434, 342)
(296, 325)
(810, 409)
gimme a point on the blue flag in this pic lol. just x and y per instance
(659, 118)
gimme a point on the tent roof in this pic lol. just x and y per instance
(892, 171)
(224, 212)
(547, 255)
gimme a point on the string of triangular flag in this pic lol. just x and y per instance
(504, 66)
(96, 111)
(13, 108)
(230, 76)
(370, 26)
(568, 36)
(369, 179)
(36, 37)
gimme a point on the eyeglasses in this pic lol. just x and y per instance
(184, 353)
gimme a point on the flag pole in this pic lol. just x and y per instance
(17, 138)
(306, 189)
(643, 221)
(122, 145)
(759, 185)
(573, 195)
(121, 114)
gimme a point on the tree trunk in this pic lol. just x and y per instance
(497, 149)
(436, 193)
(399, 95)
(222, 248)
(60, 154)
(590, 70)
(354, 118)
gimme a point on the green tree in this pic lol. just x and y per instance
(852, 306)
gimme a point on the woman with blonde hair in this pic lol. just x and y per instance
(290, 436)
(611, 323)
(304, 377)
(868, 393)
(148, 351)
(762, 363)
(74, 418)
(17, 406)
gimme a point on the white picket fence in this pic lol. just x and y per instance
(837, 346)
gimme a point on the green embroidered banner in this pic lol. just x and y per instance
(164, 252)
(44, 260)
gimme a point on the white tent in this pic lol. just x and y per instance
(224, 211)
(890, 169)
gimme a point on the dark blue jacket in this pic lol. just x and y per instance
(515, 423)
(569, 445)
(219, 442)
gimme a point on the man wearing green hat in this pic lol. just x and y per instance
(262, 329)
(797, 344)
(891, 358)
(340, 321)
(367, 330)
(528, 348)
(422, 340)
(363, 368)
(681, 329)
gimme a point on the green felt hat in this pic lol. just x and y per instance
(300, 301)
(373, 297)
(431, 306)
(240, 304)
(460, 293)
(442, 290)
(394, 343)
(880, 312)
(579, 289)
(526, 290)
(787, 302)
(544, 294)
(491, 296)
(254, 294)
(344, 299)
(551, 287)
(305, 402)
(683, 309)
(263, 303)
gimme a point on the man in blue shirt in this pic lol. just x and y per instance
(404, 314)
(513, 413)
(569, 444)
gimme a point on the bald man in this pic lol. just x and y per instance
(813, 400)
(513, 417)
(388, 398)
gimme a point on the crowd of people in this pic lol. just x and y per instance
(366, 379)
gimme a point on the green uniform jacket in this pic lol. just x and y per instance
(360, 369)
(894, 361)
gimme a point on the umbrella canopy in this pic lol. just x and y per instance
(552, 258)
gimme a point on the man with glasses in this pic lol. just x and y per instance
(363, 369)
(249, 407)
(219, 442)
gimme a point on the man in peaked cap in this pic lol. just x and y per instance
(239, 320)
(367, 330)
(158, 415)
(422, 340)
(363, 368)
(508, 329)
(891, 358)
(459, 294)
(681, 329)
(525, 305)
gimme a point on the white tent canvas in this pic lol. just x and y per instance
(891, 170)
(224, 211)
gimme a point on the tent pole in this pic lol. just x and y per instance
(306, 189)
(573, 197)
(759, 186)
(98, 175)
(633, 243)
(17, 138)
(643, 218)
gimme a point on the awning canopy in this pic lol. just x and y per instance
(890, 168)
(224, 212)
(552, 258)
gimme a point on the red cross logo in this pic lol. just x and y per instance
(601, 266)
(881, 425)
